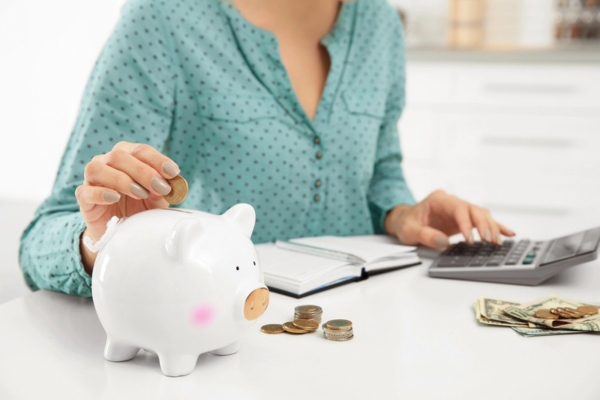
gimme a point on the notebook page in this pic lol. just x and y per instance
(369, 248)
(293, 265)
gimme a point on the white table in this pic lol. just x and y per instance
(415, 338)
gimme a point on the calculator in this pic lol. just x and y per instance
(522, 262)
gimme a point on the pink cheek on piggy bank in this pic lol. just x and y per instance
(203, 315)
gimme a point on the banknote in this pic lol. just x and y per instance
(532, 332)
(490, 312)
(526, 312)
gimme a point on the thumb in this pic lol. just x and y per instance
(433, 238)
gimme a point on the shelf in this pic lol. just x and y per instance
(572, 54)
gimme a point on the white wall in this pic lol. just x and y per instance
(48, 49)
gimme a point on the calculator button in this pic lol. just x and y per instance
(528, 261)
(478, 261)
(512, 261)
(454, 261)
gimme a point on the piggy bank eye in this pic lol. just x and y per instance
(254, 262)
(237, 268)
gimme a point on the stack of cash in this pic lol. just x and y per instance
(522, 318)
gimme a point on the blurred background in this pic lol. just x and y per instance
(503, 107)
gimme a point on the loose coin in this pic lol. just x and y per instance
(339, 324)
(306, 324)
(545, 314)
(179, 190)
(272, 329)
(289, 327)
(587, 310)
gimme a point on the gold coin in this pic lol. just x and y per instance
(574, 313)
(339, 324)
(309, 309)
(306, 324)
(560, 313)
(289, 327)
(587, 310)
(179, 190)
(545, 314)
(272, 329)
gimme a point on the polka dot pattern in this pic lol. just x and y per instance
(198, 82)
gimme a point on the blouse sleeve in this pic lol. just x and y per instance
(388, 187)
(129, 96)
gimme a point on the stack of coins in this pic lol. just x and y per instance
(338, 330)
(309, 312)
(307, 319)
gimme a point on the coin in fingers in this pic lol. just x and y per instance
(179, 190)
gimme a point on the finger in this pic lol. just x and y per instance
(463, 220)
(413, 234)
(433, 238)
(97, 173)
(481, 222)
(505, 231)
(495, 229)
(89, 196)
(149, 155)
(139, 171)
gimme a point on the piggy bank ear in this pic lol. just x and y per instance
(243, 215)
(183, 233)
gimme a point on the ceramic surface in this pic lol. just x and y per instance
(179, 283)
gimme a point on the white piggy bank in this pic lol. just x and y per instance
(180, 283)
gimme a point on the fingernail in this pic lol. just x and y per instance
(138, 190)
(160, 185)
(487, 235)
(441, 242)
(170, 168)
(113, 197)
(471, 239)
(498, 239)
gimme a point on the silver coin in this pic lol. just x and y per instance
(341, 339)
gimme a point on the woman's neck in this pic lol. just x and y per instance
(313, 18)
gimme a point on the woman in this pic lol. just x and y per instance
(290, 106)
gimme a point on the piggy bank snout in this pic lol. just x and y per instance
(256, 303)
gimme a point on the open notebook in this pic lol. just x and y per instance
(298, 274)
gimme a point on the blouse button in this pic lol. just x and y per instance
(319, 155)
(318, 183)
(317, 140)
(317, 197)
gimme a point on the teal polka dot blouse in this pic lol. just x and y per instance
(201, 84)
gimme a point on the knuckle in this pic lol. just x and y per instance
(115, 157)
(90, 169)
(121, 145)
(140, 148)
(78, 192)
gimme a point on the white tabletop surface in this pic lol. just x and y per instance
(415, 338)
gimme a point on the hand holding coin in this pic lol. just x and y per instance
(179, 190)
(131, 178)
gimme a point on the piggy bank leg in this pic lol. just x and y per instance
(115, 351)
(227, 350)
(177, 365)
